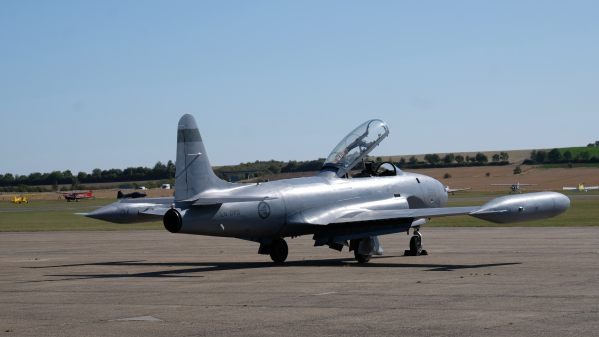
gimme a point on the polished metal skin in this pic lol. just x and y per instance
(336, 209)
(524, 207)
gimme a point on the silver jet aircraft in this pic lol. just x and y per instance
(336, 209)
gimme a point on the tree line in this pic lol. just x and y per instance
(265, 168)
(452, 160)
(561, 156)
(55, 178)
(160, 171)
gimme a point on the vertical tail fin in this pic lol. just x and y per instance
(193, 173)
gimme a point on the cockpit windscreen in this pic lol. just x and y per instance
(355, 146)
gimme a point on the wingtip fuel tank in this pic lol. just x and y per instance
(524, 207)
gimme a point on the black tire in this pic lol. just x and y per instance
(279, 250)
(415, 245)
(361, 258)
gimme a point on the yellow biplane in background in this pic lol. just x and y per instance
(19, 200)
(580, 188)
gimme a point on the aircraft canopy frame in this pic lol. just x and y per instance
(355, 146)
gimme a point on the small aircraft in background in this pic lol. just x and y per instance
(453, 190)
(77, 195)
(581, 188)
(515, 188)
(132, 195)
(19, 200)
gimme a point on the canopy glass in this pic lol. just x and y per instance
(355, 146)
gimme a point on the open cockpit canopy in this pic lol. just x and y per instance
(355, 146)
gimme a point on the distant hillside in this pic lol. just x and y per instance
(480, 178)
(577, 154)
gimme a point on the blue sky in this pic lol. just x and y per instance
(102, 84)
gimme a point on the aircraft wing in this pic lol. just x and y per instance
(567, 188)
(345, 215)
(337, 224)
(155, 211)
(341, 225)
(374, 215)
(591, 187)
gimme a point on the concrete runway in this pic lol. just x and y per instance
(476, 282)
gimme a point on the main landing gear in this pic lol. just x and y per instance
(361, 258)
(277, 249)
(415, 245)
(365, 248)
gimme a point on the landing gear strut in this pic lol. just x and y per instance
(416, 245)
(279, 250)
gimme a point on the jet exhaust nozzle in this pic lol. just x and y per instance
(172, 220)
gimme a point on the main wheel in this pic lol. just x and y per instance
(415, 245)
(279, 250)
(361, 258)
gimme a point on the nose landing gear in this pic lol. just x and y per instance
(415, 245)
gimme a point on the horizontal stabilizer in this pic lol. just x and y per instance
(157, 211)
(223, 199)
(453, 190)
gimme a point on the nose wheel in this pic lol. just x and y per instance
(415, 245)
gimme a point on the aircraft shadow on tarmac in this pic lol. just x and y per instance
(203, 267)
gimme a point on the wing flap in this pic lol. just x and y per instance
(374, 215)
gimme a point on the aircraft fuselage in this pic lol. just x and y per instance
(290, 201)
